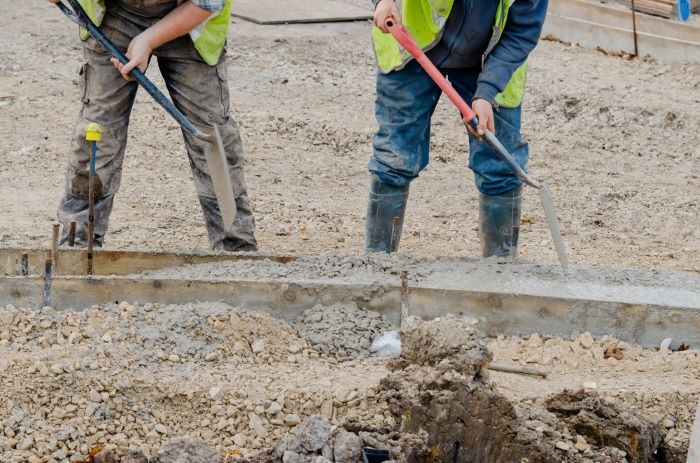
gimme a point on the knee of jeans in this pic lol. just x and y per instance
(492, 185)
(108, 164)
(393, 170)
(493, 176)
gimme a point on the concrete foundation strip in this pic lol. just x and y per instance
(521, 304)
(496, 313)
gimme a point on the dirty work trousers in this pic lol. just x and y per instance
(200, 91)
(406, 100)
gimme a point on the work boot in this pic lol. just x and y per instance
(240, 237)
(499, 224)
(385, 214)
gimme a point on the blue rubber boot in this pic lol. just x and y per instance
(385, 215)
(499, 224)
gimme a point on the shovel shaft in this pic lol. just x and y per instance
(404, 37)
(80, 16)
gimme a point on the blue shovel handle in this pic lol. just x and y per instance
(80, 17)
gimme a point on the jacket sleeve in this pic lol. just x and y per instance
(520, 36)
(210, 5)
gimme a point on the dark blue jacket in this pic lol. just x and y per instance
(467, 33)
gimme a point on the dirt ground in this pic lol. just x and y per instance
(614, 138)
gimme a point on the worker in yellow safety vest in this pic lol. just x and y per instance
(482, 47)
(188, 37)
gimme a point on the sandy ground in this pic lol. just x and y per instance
(614, 138)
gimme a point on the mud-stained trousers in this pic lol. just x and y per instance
(200, 91)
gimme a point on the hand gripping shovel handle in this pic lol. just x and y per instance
(404, 37)
(79, 16)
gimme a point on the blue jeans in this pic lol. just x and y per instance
(406, 100)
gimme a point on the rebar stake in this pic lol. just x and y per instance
(54, 248)
(93, 134)
(404, 297)
(71, 235)
(47, 283)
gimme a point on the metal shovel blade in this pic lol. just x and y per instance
(553, 223)
(218, 170)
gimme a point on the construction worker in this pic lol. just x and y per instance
(188, 38)
(481, 46)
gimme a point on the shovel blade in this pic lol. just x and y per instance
(215, 155)
(553, 223)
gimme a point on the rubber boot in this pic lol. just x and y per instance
(499, 224)
(385, 215)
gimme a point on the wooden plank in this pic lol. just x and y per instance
(618, 17)
(550, 312)
(298, 11)
(72, 262)
(665, 8)
(594, 25)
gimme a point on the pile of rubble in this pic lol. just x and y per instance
(135, 376)
(342, 331)
(250, 387)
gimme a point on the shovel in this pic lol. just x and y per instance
(404, 37)
(214, 151)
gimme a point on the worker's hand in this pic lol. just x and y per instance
(139, 53)
(386, 9)
(484, 112)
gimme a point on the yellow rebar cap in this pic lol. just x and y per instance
(93, 132)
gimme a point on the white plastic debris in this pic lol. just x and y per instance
(665, 345)
(387, 344)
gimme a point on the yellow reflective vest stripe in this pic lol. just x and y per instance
(209, 37)
(425, 20)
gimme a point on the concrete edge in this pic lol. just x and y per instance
(507, 314)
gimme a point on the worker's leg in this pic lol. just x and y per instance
(405, 103)
(201, 92)
(500, 190)
(107, 100)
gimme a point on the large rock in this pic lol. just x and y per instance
(107, 456)
(291, 457)
(135, 456)
(187, 451)
(449, 339)
(314, 433)
(347, 448)
(606, 424)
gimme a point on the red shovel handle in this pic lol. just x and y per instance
(404, 37)
(470, 119)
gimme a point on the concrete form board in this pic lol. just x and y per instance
(594, 25)
(73, 262)
(497, 313)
